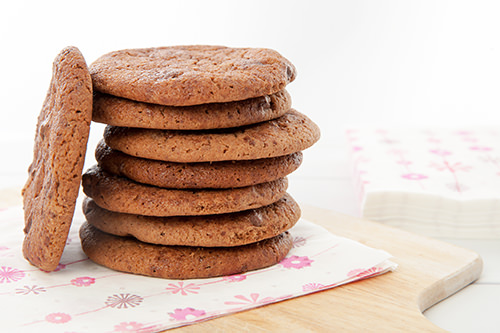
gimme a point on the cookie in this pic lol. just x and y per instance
(225, 174)
(129, 255)
(191, 75)
(62, 132)
(288, 134)
(232, 229)
(120, 194)
(123, 112)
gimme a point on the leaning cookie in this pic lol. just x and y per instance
(180, 262)
(232, 229)
(120, 194)
(191, 75)
(123, 112)
(225, 174)
(50, 193)
(285, 135)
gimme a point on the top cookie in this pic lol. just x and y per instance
(50, 193)
(191, 75)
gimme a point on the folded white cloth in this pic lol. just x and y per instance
(437, 182)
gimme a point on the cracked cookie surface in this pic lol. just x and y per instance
(192, 74)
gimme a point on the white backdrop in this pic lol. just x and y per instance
(385, 62)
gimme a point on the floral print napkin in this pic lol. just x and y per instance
(438, 182)
(82, 296)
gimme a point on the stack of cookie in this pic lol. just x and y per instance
(194, 161)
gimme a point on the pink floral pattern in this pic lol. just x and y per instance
(312, 287)
(183, 289)
(440, 152)
(414, 176)
(83, 281)
(235, 278)
(35, 290)
(253, 299)
(364, 273)
(481, 148)
(124, 301)
(129, 326)
(9, 274)
(58, 318)
(186, 313)
(296, 262)
(299, 241)
(85, 297)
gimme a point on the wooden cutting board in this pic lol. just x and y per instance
(428, 272)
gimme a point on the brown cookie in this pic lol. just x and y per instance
(232, 229)
(180, 262)
(122, 195)
(62, 132)
(123, 112)
(191, 75)
(225, 174)
(285, 135)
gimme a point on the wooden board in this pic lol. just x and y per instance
(429, 271)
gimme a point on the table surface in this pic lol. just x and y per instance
(324, 180)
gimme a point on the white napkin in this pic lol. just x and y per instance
(437, 182)
(82, 296)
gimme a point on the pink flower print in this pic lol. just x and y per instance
(404, 162)
(414, 176)
(123, 301)
(362, 273)
(452, 167)
(83, 281)
(130, 326)
(481, 148)
(254, 299)
(28, 290)
(3, 248)
(440, 152)
(434, 140)
(312, 287)
(356, 148)
(186, 313)
(298, 241)
(389, 141)
(58, 318)
(182, 289)
(9, 274)
(234, 278)
(296, 262)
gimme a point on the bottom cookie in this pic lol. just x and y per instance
(180, 262)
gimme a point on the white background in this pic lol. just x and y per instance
(359, 62)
